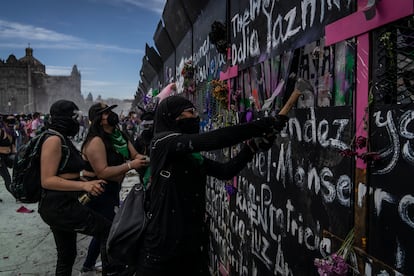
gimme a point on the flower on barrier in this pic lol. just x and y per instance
(220, 91)
(188, 74)
(188, 70)
(348, 152)
(370, 156)
(336, 263)
(359, 143)
(332, 266)
(230, 189)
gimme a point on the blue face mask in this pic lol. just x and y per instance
(188, 125)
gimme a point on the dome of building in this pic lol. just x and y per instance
(30, 59)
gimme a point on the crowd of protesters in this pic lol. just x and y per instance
(18, 129)
(15, 131)
(22, 127)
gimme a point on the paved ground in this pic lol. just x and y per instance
(26, 242)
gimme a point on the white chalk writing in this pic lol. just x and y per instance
(279, 27)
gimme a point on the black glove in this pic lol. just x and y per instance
(265, 124)
(280, 122)
(272, 123)
(261, 143)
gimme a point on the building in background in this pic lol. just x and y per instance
(25, 87)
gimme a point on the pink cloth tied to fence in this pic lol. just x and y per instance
(166, 91)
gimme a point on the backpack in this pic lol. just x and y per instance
(133, 216)
(26, 185)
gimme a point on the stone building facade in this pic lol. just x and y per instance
(25, 87)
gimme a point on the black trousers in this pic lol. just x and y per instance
(104, 205)
(67, 217)
(5, 174)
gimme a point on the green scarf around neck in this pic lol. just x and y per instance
(119, 143)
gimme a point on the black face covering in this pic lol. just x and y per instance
(62, 118)
(167, 112)
(113, 119)
(189, 125)
(10, 121)
(147, 135)
(65, 125)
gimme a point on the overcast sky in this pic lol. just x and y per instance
(105, 39)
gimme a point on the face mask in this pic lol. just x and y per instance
(113, 119)
(189, 125)
(65, 125)
(147, 135)
(75, 127)
(10, 122)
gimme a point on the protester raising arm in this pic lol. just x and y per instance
(177, 231)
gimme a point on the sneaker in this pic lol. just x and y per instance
(98, 266)
(87, 271)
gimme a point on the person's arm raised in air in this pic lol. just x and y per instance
(223, 137)
(232, 167)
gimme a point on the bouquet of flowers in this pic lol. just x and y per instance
(188, 70)
(188, 73)
(335, 264)
(360, 143)
(220, 91)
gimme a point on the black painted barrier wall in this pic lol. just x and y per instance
(296, 202)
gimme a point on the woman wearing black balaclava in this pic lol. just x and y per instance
(176, 239)
(59, 206)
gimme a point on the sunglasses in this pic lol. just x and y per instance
(191, 110)
(184, 113)
(147, 124)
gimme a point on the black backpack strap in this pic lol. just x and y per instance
(65, 148)
(159, 178)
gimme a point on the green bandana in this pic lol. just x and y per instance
(147, 176)
(119, 143)
(197, 156)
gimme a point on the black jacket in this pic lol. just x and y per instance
(178, 224)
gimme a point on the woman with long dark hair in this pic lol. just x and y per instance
(110, 154)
